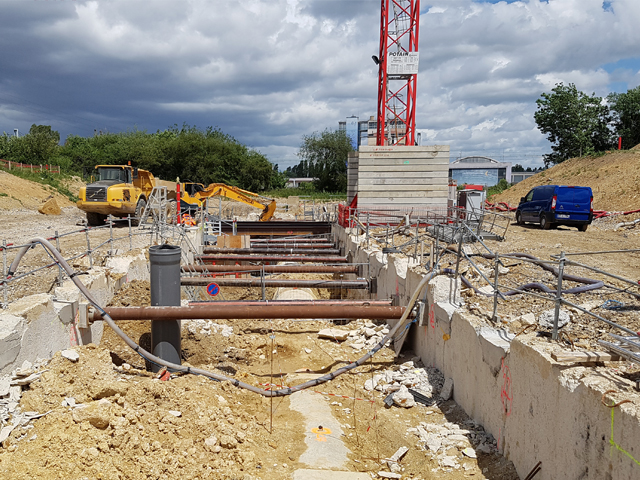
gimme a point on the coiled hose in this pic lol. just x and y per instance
(197, 371)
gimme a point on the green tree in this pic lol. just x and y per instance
(325, 155)
(576, 124)
(626, 116)
(41, 143)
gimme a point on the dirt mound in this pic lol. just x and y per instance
(16, 193)
(614, 179)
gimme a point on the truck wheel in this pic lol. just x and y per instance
(139, 211)
(95, 219)
(519, 218)
(583, 228)
(544, 223)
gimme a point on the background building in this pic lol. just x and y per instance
(479, 171)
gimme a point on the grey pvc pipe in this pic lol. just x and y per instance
(165, 291)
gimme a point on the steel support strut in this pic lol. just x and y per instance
(266, 311)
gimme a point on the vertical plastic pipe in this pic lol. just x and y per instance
(165, 291)
(619, 143)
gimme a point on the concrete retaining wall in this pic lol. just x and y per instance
(39, 325)
(537, 409)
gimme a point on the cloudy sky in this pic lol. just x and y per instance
(270, 71)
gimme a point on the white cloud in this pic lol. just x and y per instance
(270, 71)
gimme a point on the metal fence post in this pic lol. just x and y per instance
(4, 273)
(367, 231)
(129, 220)
(86, 231)
(110, 235)
(415, 252)
(59, 267)
(556, 315)
(495, 289)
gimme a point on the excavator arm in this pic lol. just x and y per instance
(267, 205)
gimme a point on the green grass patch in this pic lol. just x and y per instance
(53, 180)
(2, 194)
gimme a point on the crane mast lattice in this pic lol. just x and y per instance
(398, 72)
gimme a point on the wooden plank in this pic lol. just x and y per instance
(585, 357)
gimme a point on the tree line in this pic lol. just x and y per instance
(193, 154)
(578, 124)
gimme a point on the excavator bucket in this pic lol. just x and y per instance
(267, 213)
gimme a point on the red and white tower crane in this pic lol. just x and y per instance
(398, 72)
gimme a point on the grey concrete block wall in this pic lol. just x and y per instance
(403, 176)
(537, 409)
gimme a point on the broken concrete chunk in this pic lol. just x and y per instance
(447, 389)
(546, 318)
(389, 475)
(5, 432)
(403, 398)
(71, 355)
(5, 383)
(25, 370)
(26, 380)
(334, 334)
(175, 413)
(527, 319)
(469, 452)
(401, 452)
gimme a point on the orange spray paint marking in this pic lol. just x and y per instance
(320, 433)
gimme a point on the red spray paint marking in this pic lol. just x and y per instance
(505, 394)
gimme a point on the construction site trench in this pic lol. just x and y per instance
(460, 404)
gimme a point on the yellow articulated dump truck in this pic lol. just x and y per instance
(119, 190)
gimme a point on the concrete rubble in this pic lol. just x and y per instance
(11, 415)
(207, 327)
(424, 380)
(367, 335)
(441, 440)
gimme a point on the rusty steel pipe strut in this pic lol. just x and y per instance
(299, 303)
(249, 312)
(215, 376)
(302, 246)
(273, 268)
(274, 251)
(270, 258)
(292, 240)
(274, 282)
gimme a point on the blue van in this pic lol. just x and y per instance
(553, 205)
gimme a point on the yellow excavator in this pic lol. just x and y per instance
(198, 193)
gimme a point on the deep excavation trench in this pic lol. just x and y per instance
(138, 426)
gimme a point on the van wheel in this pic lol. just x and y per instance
(544, 223)
(583, 228)
(519, 218)
(139, 211)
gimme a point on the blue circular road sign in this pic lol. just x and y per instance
(213, 289)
